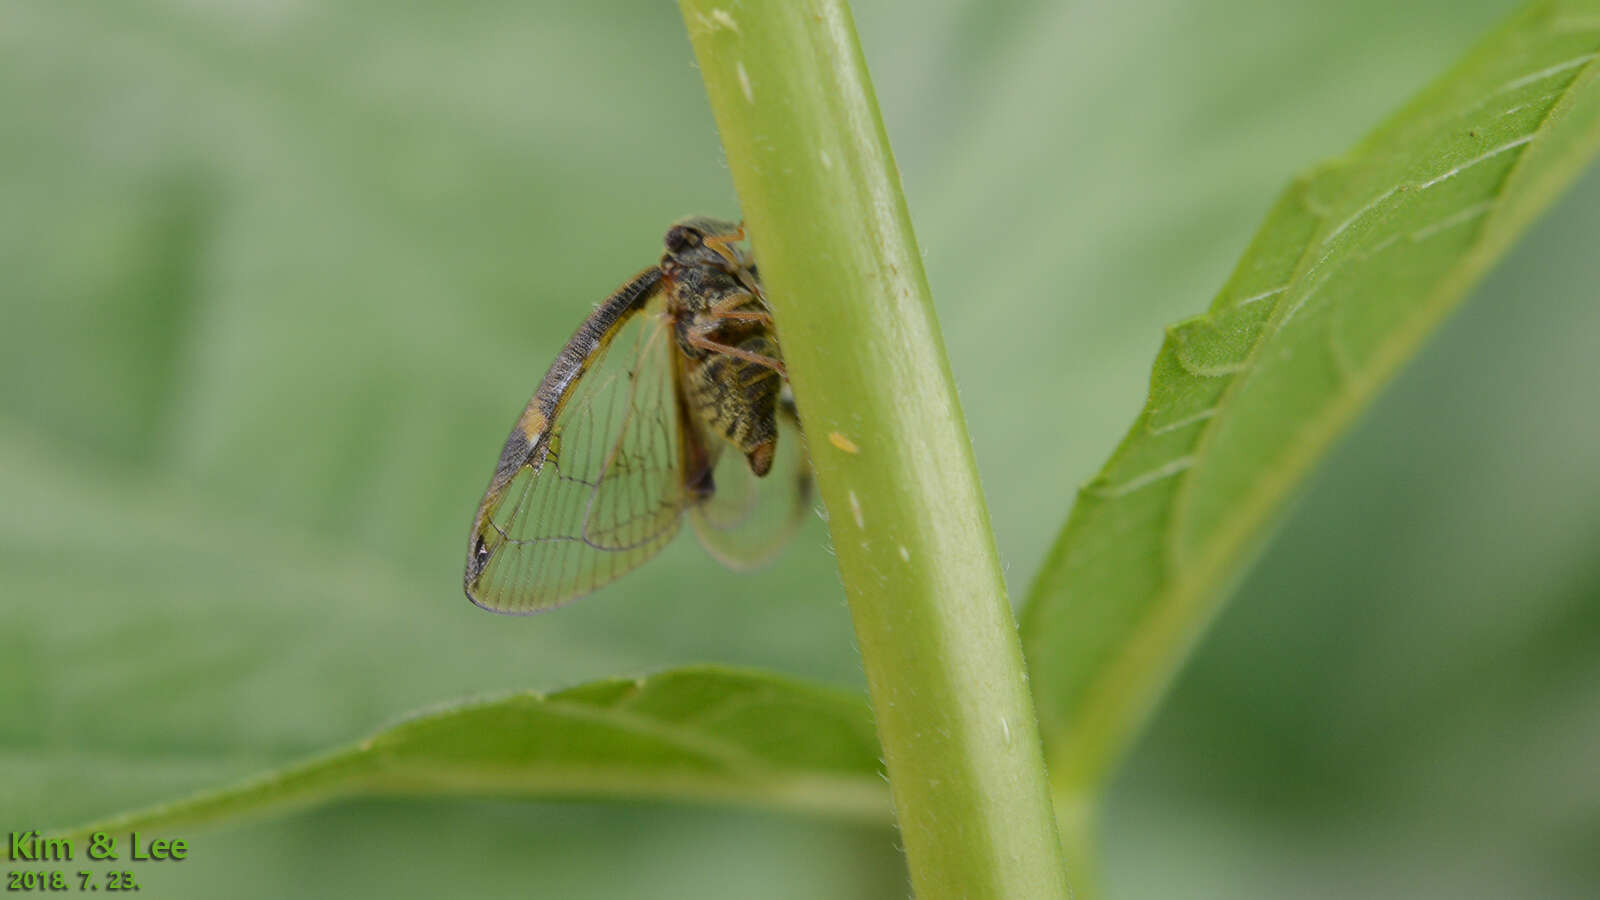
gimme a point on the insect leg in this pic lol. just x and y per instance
(698, 338)
(728, 309)
(723, 243)
(743, 315)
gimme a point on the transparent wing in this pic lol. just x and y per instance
(589, 484)
(747, 520)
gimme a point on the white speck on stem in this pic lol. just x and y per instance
(855, 511)
(725, 19)
(744, 82)
(905, 554)
(1005, 729)
(827, 161)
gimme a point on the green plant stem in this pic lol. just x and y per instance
(822, 201)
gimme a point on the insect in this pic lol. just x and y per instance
(671, 400)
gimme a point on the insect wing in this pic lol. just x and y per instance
(748, 519)
(588, 486)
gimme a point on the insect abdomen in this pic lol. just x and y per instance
(738, 399)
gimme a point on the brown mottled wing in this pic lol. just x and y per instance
(588, 486)
(747, 519)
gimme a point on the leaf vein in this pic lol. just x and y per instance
(1169, 469)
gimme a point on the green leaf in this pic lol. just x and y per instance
(231, 524)
(1356, 264)
(701, 734)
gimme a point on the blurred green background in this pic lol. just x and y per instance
(278, 275)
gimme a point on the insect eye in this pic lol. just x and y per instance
(681, 237)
